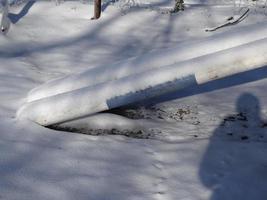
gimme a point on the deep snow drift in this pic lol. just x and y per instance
(204, 142)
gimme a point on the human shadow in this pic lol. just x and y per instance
(14, 18)
(234, 165)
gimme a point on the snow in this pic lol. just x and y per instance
(204, 142)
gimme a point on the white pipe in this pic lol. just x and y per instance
(89, 100)
(151, 60)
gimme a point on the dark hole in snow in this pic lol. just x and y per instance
(131, 112)
(244, 137)
(245, 126)
(230, 18)
(241, 116)
(264, 124)
(137, 134)
(238, 117)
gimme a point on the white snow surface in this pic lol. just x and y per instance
(204, 142)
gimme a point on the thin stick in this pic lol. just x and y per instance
(241, 18)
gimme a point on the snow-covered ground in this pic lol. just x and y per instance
(204, 142)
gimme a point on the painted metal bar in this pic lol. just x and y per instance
(111, 94)
(151, 60)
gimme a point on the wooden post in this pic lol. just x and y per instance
(97, 9)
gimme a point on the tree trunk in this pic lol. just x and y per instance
(97, 9)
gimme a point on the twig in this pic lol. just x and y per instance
(241, 18)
